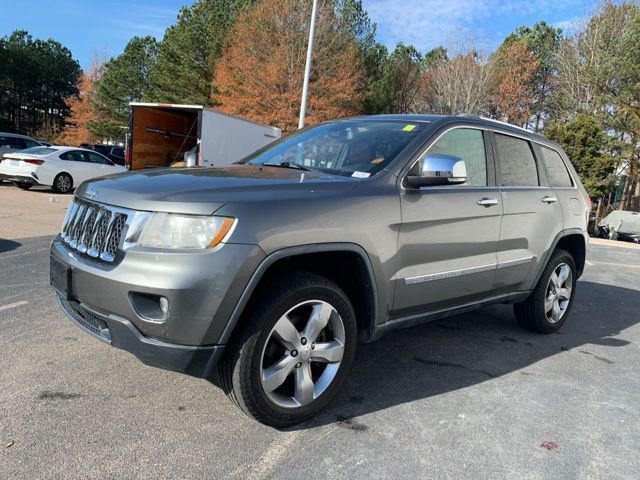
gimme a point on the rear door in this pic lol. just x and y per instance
(449, 234)
(77, 165)
(532, 216)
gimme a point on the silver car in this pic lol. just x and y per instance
(13, 142)
(266, 275)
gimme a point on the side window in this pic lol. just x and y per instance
(73, 156)
(31, 143)
(97, 158)
(7, 142)
(517, 164)
(468, 144)
(554, 166)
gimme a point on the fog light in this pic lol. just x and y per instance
(151, 308)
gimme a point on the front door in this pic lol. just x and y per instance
(449, 234)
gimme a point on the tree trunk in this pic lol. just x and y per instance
(635, 203)
(599, 211)
(625, 188)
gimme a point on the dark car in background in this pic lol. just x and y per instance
(112, 152)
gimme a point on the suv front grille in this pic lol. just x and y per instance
(93, 229)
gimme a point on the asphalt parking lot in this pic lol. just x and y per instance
(472, 396)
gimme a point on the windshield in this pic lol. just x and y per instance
(39, 150)
(357, 148)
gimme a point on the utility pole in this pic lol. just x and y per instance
(307, 68)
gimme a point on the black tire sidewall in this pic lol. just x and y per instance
(543, 322)
(249, 367)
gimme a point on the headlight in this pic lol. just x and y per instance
(169, 230)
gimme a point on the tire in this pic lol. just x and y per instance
(63, 183)
(534, 313)
(23, 186)
(257, 351)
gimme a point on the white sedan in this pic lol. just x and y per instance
(62, 168)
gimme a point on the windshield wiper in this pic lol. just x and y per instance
(297, 166)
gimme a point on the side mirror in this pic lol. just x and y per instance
(438, 169)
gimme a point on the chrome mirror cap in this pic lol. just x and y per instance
(438, 169)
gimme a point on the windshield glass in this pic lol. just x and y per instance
(355, 147)
(39, 150)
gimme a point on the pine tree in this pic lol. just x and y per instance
(124, 79)
(189, 50)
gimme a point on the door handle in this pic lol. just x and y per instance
(488, 202)
(547, 199)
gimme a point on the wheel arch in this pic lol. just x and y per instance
(315, 258)
(574, 241)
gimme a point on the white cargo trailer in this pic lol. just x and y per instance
(160, 135)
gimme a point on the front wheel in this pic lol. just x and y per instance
(549, 305)
(293, 352)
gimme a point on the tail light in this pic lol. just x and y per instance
(197, 158)
(589, 203)
(33, 161)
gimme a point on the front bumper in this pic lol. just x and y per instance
(202, 289)
(198, 361)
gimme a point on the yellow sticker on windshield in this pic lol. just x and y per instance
(408, 128)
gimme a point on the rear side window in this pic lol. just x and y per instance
(73, 156)
(117, 152)
(556, 169)
(467, 144)
(517, 164)
(9, 142)
(31, 143)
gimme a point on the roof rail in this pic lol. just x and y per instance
(470, 115)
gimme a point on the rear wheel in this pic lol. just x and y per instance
(294, 351)
(23, 186)
(549, 305)
(63, 183)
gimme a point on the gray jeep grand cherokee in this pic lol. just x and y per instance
(274, 269)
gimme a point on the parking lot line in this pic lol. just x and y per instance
(611, 264)
(13, 305)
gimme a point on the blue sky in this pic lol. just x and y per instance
(103, 27)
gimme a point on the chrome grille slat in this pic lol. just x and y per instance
(95, 230)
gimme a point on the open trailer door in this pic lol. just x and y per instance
(160, 134)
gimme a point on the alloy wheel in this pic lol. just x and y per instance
(63, 183)
(558, 293)
(302, 354)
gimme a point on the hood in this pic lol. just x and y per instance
(204, 190)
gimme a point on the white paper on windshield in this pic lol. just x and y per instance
(360, 174)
